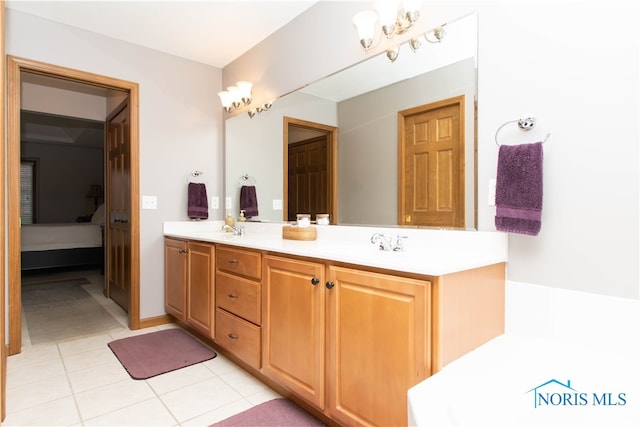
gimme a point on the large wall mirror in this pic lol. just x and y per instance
(365, 105)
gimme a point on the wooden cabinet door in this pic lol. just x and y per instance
(378, 345)
(200, 291)
(293, 326)
(175, 278)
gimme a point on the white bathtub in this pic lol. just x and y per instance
(557, 336)
(518, 381)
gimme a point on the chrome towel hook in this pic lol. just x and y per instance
(526, 123)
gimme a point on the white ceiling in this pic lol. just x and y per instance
(212, 32)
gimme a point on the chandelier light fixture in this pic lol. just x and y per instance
(392, 17)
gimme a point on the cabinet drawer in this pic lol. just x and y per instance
(240, 337)
(239, 296)
(238, 261)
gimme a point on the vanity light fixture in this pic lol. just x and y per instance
(434, 36)
(236, 96)
(393, 17)
(259, 109)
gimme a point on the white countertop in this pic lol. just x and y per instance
(426, 251)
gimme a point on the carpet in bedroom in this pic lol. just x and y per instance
(61, 310)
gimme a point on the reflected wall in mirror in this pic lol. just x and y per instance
(363, 103)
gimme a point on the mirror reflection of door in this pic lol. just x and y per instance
(431, 168)
(310, 171)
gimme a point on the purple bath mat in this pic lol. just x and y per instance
(277, 412)
(148, 355)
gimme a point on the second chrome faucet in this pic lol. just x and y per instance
(386, 244)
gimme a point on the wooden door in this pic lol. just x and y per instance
(175, 278)
(293, 325)
(118, 232)
(379, 335)
(308, 178)
(317, 168)
(431, 167)
(200, 290)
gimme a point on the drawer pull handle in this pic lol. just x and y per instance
(182, 251)
(315, 281)
(233, 296)
(233, 261)
(233, 336)
(330, 285)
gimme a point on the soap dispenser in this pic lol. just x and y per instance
(229, 219)
(242, 218)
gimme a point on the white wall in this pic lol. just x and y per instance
(180, 124)
(572, 64)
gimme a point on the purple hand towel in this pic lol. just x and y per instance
(519, 189)
(249, 200)
(197, 204)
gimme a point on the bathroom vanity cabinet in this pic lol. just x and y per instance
(189, 297)
(238, 289)
(348, 339)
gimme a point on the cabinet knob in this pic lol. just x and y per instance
(233, 336)
(329, 285)
(315, 281)
(182, 251)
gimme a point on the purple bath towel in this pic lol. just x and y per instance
(197, 204)
(519, 189)
(249, 201)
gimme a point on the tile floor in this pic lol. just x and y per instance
(81, 383)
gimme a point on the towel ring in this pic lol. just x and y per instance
(527, 123)
(246, 179)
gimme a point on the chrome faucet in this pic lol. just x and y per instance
(237, 230)
(385, 244)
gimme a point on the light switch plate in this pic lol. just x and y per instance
(149, 202)
(227, 203)
(215, 202)
(277, 204)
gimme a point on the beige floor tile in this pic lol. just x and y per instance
(197, 399)
(84, 344)
(33, 372)
(37, 393)
(97, 376)
(35, 354)
(219, 414)
(262, 396)
(220, 365)
(80, 361)
(112, 397)
(243, 382)
(61, 412)
(180, 378)
(147, 413)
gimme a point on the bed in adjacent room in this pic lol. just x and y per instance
(63, 245)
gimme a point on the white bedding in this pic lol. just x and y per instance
(46, 237)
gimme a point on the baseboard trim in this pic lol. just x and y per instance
(155, 321)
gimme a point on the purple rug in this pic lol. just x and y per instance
(277, 412)
(148, 355)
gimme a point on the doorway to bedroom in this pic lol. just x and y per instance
(91, 210)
